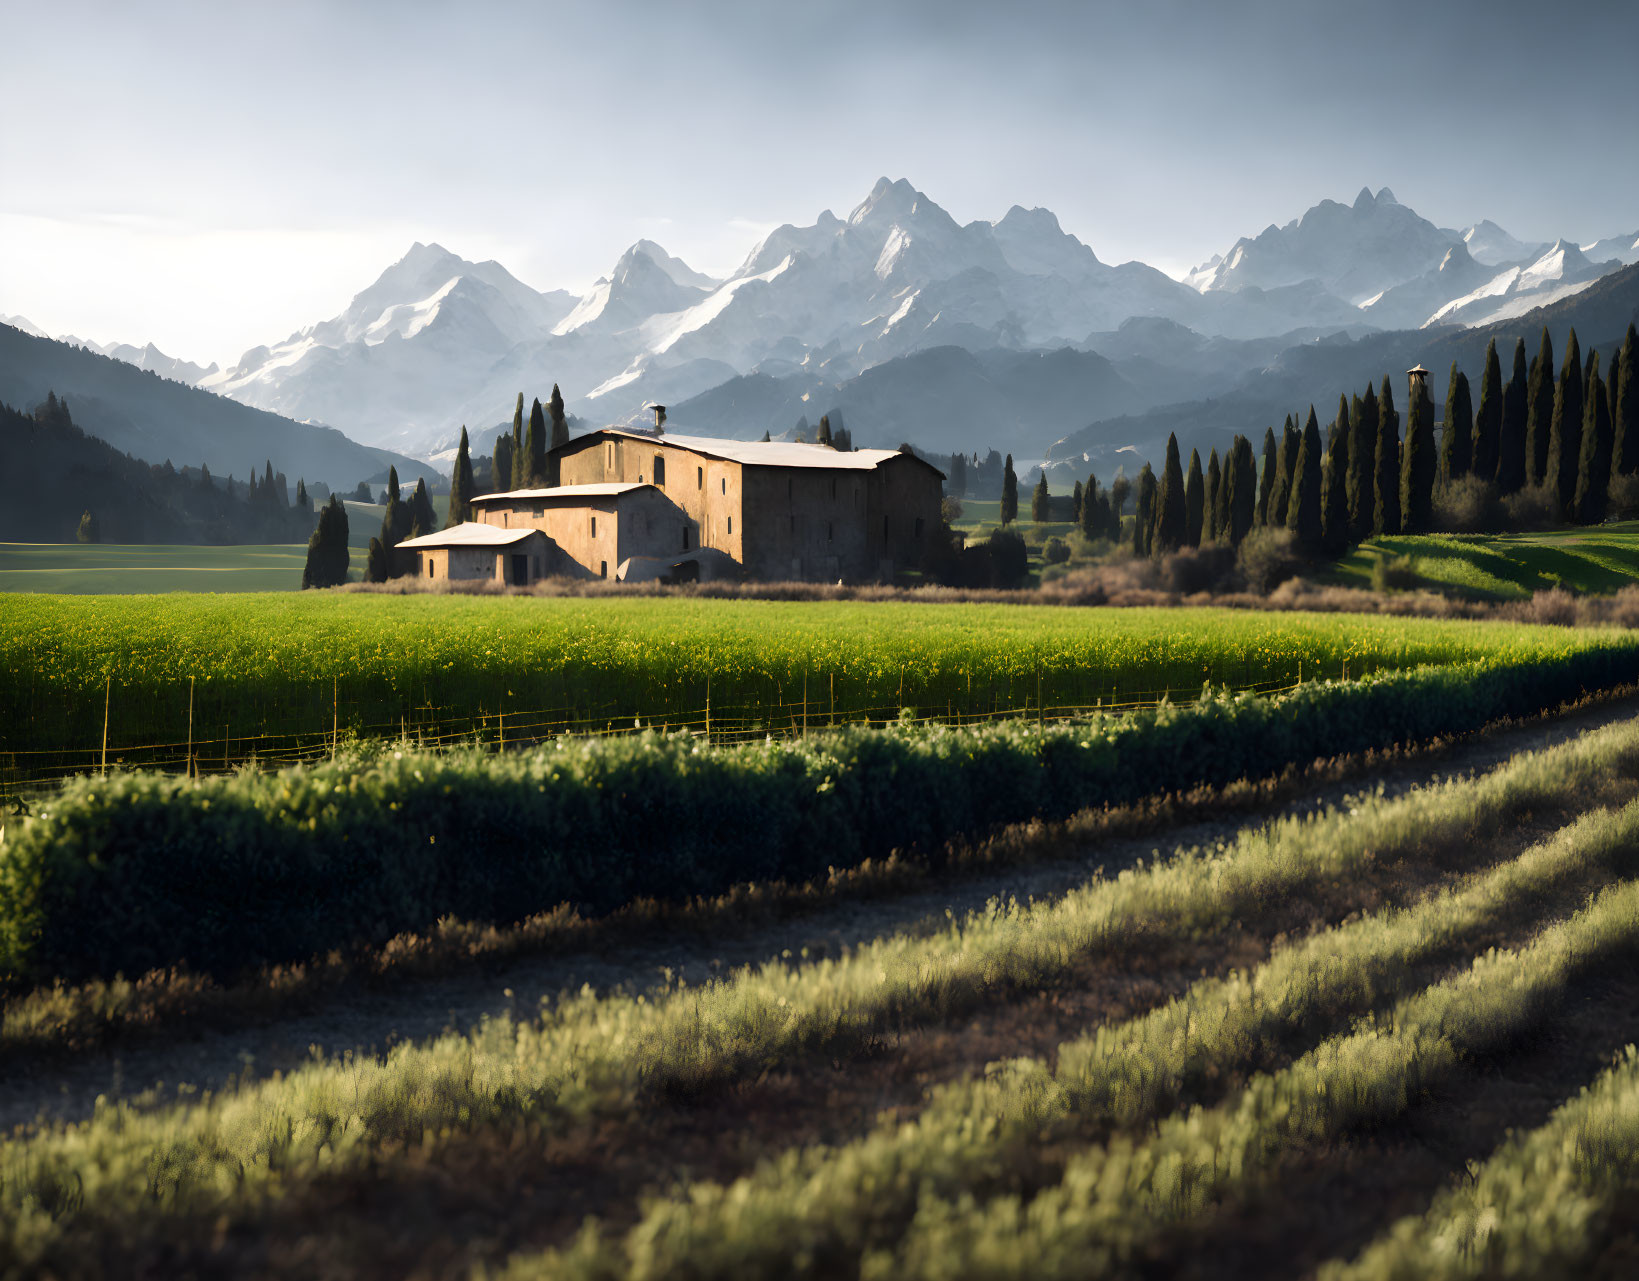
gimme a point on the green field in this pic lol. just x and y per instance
(296, 664)
(142, 568)
(1598, 559)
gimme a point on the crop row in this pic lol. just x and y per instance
(843, 1203)
(144, 871)
(593, 1056)
(1540, 1206)
(223, 671)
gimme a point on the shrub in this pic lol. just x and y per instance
(1269, 557)
(1395, 574)
(1471, 506)
(1056, 552)
(1533, 508)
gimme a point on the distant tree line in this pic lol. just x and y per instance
(76, 486)
(1536, 449)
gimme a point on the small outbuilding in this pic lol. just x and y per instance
(473, 551)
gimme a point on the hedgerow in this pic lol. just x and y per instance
(138, 871)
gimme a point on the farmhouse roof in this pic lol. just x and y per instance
(764, 453)
(471, 534)
(574, 493)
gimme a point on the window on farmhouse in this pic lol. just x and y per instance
(685, 538)
(538, 510)
(731, 527)
(609, 455)
(725, 484)
(603, 569)
(659, 469)
(594, 527)
(699, 477)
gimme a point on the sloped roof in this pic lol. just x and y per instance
(471, 534)
(578, 493)
(763, 453)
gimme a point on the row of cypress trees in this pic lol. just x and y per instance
(1567, 437)
(521, 456)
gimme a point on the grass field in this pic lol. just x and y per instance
(1384, 1039)
(1598, 559)
(301, 663)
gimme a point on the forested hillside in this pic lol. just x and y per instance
(60, 475)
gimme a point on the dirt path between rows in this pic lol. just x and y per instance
(369, 1022)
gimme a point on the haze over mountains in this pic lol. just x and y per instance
(1009, 333)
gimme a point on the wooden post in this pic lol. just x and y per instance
(708, 709)
(107, 695)
(805, 702)
(335, 715)
(501, 720)
(1041, 712)
(190, 726)
(833, 700)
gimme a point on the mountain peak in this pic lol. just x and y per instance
(1037, 219)
(891, 198)
(1365, 200)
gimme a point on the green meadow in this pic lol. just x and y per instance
(1594, 560)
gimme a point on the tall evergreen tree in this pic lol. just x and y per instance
(1010, 493)
(1241, 491)
(1593, 473)
(397, 520)
(1418, 464)
(302, 500)
(1362, 482)
(560, 436)
(501, 477)
(1213, 497)
(1040, 510)
(1091, 521)
(535, 447)
(1075, 503)
(1286, 461)
(957, 481)
(1457, 434)
(1218, 517)
(823, 436)
(517, 475)
(1144, 524)
(1565, 431)
(205, 481)
(1488, 418)
(422, 519)
(378, 566)
(1625, 408)
(1511, 431)
(327, 556)
(1266, 477)
(1170, 519)
(461, 484)
(1194, 500)
(1303, 507)
(1335, 524)
(1539, 412)
(1386, 515)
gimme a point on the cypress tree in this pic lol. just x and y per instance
(1212, 505)
(1039, 509)
(1565, 432)
(90, 530)
(1539, 412)
(377, 567)
(1194, 500)
(205, 481)
(1593, 473)
(1120, 487)
(1457, 434)
(327, 556)
(1010, 493)
(1171, 522)
(1144, 525)
(1092, 524)
(1418, 464)
(1362, 477)
(1303, 508)
(560, 421)
(1625, 408)
(1511, 430)
(461, 485)
(534, 465)
(1218, 516)
(823, 436)
(1266, 477)
(1241, 491)
(1335, 526)
(422, 519)
(1075, 504)
(1286, 461)
(1386, 515)
(1488, 418)
(397, 520)
(501, 478)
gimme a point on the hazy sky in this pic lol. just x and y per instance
(214, 176)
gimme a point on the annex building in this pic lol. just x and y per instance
(636, 505)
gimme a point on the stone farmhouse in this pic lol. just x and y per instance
(638, 505)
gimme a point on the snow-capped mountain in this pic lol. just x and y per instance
(438, 341)
(1625, 249)
(1355, 251)
(147, 356)
(25, 324)
(1558, 273)
(1489, 244)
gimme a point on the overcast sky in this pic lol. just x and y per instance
(210, 177)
